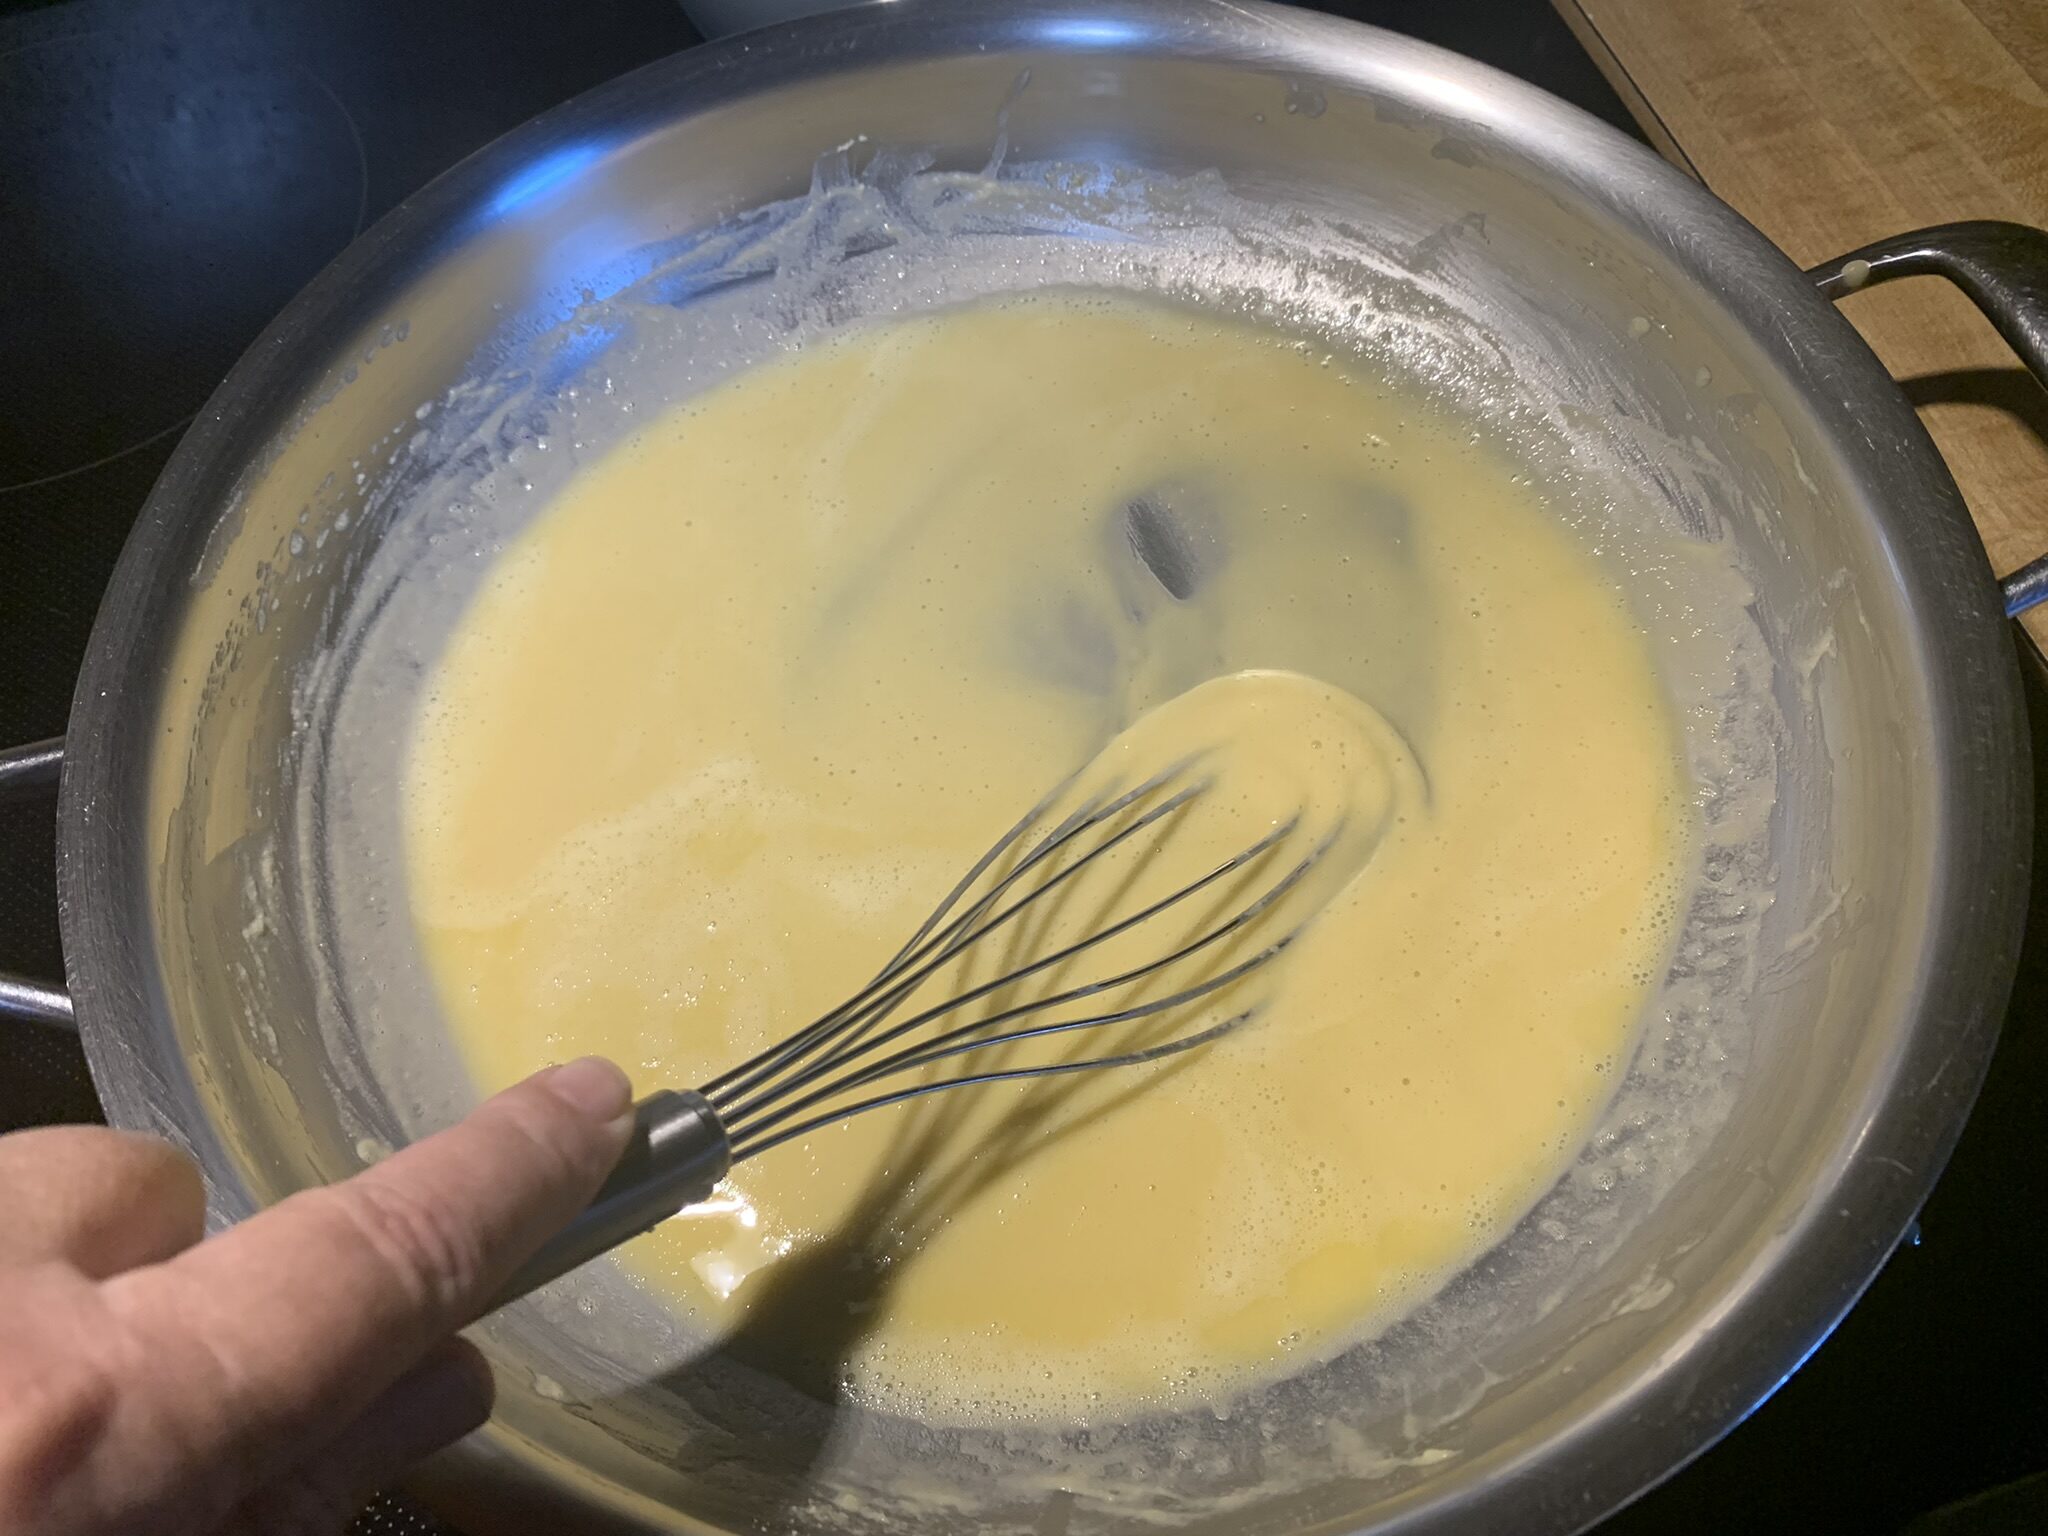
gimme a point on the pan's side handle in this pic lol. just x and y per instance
(2004, 270)
(28, 773)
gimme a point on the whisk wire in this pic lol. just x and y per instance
(922, 957)
(849, 1048)
(737, 1078)
(955, 1042)
(961, 935)
(853, 1050)
(744, 1148)
(770, 1108)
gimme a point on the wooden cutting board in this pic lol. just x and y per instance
(1831, 123)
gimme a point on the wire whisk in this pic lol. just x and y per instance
(857, 1056)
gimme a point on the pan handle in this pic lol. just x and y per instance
(27, 773)
(2003, 268)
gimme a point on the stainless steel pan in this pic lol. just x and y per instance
(198, 783)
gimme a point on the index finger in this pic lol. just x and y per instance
(266, 1339)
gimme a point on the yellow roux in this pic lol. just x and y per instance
(730, 718)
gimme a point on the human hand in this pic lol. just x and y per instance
(269, 1379)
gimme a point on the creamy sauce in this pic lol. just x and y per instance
(727, 721)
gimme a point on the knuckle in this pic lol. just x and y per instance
(436, 1261)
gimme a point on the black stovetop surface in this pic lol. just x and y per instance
(172, 173)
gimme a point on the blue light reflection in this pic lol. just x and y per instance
(575, 352)
(1790, 1371)
(1089, 32)
(543, 176)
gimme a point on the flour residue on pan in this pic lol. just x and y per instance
(884, 234)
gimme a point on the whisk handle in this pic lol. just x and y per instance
(678, 1151)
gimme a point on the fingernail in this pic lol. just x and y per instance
(591, 1086)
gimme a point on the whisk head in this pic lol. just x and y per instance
(925, 1007)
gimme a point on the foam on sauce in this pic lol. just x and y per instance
(732, 716)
